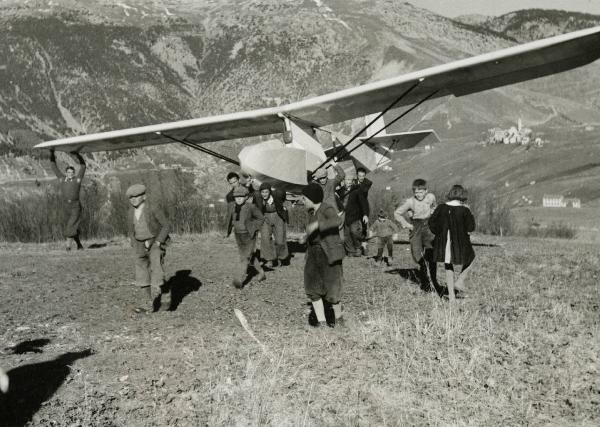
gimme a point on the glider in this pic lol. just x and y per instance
(287, 163)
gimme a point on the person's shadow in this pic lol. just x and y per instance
(410, 274)
(32, 385)
(180, 286)
(30, 346)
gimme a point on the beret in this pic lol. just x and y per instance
(136, 190)
(314, 192)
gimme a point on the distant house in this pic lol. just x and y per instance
(574, 202)
(558, 201)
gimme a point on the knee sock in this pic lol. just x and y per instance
(450, 283)
(319, 310)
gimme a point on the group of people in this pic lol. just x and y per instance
(337, 226)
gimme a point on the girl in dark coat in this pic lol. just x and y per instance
(451, 223)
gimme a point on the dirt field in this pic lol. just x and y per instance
(524, 349)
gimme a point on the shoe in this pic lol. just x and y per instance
(270, 264)
(261, 277)
(237, 283)
(284, 262)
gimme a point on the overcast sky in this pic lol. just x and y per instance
(498, 7)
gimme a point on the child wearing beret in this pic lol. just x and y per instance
(323, 272)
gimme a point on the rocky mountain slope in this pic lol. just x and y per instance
(72, 67)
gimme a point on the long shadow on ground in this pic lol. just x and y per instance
(181, 285)
(32, 385)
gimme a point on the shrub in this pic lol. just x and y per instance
(39, 217)
(559, 230)
(492, 213)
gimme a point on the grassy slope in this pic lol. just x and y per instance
(566, 165)
(523, 350)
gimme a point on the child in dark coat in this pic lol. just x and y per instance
(451, 223)
(323, 273)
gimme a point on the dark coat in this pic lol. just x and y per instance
(156, 219)
(328, 234)
(251, 215)
(356, 204)
(460, 222)
(278, 201)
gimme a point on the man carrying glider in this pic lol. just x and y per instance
(70, 187)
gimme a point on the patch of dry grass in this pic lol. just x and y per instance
(522, 350)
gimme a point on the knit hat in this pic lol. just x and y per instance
(265, 186)
(314, 192)
(381, 214)
(136, 190)
(240, 191)
(320, 173)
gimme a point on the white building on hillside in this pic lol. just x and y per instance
(553, 201)
(558, 201)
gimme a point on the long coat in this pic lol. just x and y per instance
(460, 222)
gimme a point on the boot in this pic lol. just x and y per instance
(78, 242)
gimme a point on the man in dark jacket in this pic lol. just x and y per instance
(271, 201)
(70, 187)
(365, 185)
(356, 209)
(148, 233)
(324, 254)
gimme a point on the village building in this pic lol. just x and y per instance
(558, 201)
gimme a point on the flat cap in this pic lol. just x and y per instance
(240, 191)
(136, 190)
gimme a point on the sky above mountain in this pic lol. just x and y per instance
(454, 8)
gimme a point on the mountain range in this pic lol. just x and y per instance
(70, 67)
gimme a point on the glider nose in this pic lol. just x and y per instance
(273, 162)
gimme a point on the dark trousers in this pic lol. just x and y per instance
(149, 265)
(247, 250)
(353, 236)
(273, 239)
(421, 239)
(73, 211)
(322, 280)
(385, 242)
